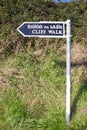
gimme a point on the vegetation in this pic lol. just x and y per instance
(32, 70)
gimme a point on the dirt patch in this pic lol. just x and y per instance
(79, 63)
(3, 83)
(2, 80)
(6, 73)
(79, 55)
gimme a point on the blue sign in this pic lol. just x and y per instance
(42, 29)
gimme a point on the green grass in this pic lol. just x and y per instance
(13, 110)
(35, 99)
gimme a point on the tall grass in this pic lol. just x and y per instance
(35, 99)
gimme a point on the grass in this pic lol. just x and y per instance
(35, 98)
(12, 110)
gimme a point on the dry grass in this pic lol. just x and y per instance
(79, 55)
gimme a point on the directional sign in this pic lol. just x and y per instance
(53, 30)
(42, 29)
